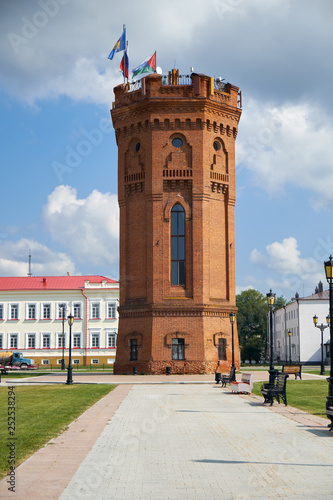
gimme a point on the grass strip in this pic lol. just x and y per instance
(306, 395)
(42, 413)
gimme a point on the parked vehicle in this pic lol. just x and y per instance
(10, 359)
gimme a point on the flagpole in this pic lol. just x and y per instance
(124, 52)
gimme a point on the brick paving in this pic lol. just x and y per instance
(182, 439)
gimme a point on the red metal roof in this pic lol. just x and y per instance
(50, 282)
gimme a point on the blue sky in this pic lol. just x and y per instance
(59, 156)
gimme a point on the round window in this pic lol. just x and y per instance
(136, 147)
(177, 142)
(217, 145)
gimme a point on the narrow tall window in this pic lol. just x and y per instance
(177, 245)
(95, 310)
(178, 349)
(14, 311)
(133, 350)
(222, 349)
(77, 310)
(46, 311)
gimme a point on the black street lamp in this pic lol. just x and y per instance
(289, 335)
(321, 328)
(233, 368)
(64, 307)
(70, 369)
(270, 301)
(329, 403)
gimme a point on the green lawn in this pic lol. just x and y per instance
(41, 413)
(307, 395)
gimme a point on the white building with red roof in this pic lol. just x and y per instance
(33, 318)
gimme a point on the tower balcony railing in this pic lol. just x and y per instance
(170, 79)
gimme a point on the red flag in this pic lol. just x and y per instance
(124, 65)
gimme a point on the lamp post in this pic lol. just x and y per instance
(289, 335)
(321, 328)
(70, 369)
(64, 307)
(232, 317)
(329, 276)
(270, 301)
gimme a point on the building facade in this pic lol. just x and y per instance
(33, 318)
(176, 192)
(304, 344)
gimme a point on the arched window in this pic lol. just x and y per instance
(177, 245)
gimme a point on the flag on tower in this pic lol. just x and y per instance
(148, 66)
(124, 65)
(120, 45)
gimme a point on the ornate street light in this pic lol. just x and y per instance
(232, 317)
(70, 369)
(289, 335)
(270, 301)
(329, 403)
(321, 328)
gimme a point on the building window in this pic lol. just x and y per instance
(77, 340)
(76, 361)
(178, 349)
(31, 341)
(133, 350)
(61, 341)
(95, 361)
(1, 341)
(31, 311)
(13, 340)
(95, 310)
(177, 245)
(1, 312)
(14, 311)
(111, 310)
(111, 339)
(46, 340)
(77, 310)
(95, 340)
(45, 361)
(222, 349)
(61, 311)
(46, 311)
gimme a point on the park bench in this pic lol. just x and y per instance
(245, 385)
(329, 413)
(293, 370)
(226, 378)
(276, 390)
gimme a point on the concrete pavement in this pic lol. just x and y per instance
(180, 441)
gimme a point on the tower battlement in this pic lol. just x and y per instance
(194, 86)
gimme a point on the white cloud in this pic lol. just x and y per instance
(290, 144)
(14, 259)
(65, 53)
(88, 228)
(285, 260)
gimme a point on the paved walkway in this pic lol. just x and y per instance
(182, 441)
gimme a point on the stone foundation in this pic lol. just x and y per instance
(160, 368)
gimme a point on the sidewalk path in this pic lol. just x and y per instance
(200, 442)
(181, 440)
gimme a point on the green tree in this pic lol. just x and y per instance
(252, 324)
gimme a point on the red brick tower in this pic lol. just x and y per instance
(176, 191)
